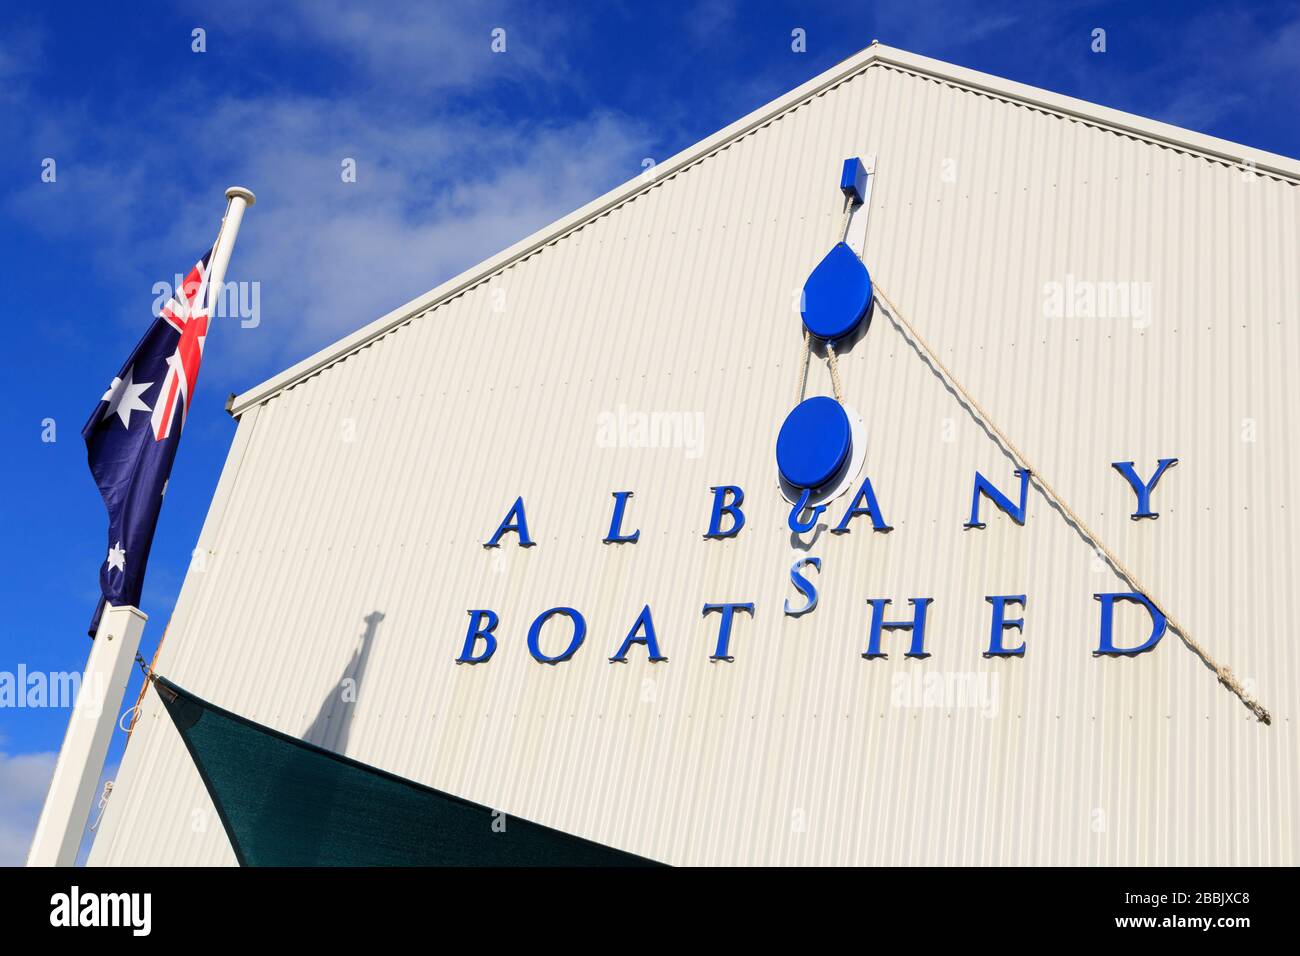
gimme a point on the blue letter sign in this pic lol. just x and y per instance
(1140, 488)
(515, 521)
(535, 633)
(726, 519)
(1001, 623)
(724, 632)
(863, 503)
(916, 625)
(643, 632)
(477, 629)
(732, 510)
(616, 535)
(984, 487)
(803, 586)
(1107, 645)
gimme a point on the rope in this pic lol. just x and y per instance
(1224, 674)
(134, 709)
(103, 804)
(803, 369)
(835, 372)
(134, 712)
(146, 668)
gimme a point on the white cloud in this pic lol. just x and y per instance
(411, 45)
(938, 27)
(710, 18)
(442, 182)
(431, 199)
(24, 779)
(20, 53)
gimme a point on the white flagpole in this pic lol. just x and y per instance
(90, 729)
(239, 199)
(85, 745)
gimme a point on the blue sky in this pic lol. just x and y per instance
(459, 151)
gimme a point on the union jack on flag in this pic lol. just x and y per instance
(187, 313)
(135, 429)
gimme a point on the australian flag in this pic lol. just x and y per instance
(133, 433)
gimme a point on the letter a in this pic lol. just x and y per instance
(516, 521)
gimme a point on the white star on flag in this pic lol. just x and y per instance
(123, 398)
(117, 557)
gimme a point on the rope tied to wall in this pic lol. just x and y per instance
(1222, 672)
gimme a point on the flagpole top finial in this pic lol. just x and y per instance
(242, 193)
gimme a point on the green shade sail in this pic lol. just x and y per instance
(285, 802)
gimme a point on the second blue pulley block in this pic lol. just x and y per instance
(814, 442)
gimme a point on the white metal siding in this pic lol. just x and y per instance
(682, 299)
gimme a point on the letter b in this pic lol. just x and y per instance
(731, 509)
(479, 629)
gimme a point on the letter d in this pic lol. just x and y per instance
(1107, 644)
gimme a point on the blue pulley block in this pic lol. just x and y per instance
(837, 295)
(814, 442)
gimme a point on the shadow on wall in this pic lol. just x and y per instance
(334, 719)
(296, 790)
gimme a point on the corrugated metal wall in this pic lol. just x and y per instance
(368, 489)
